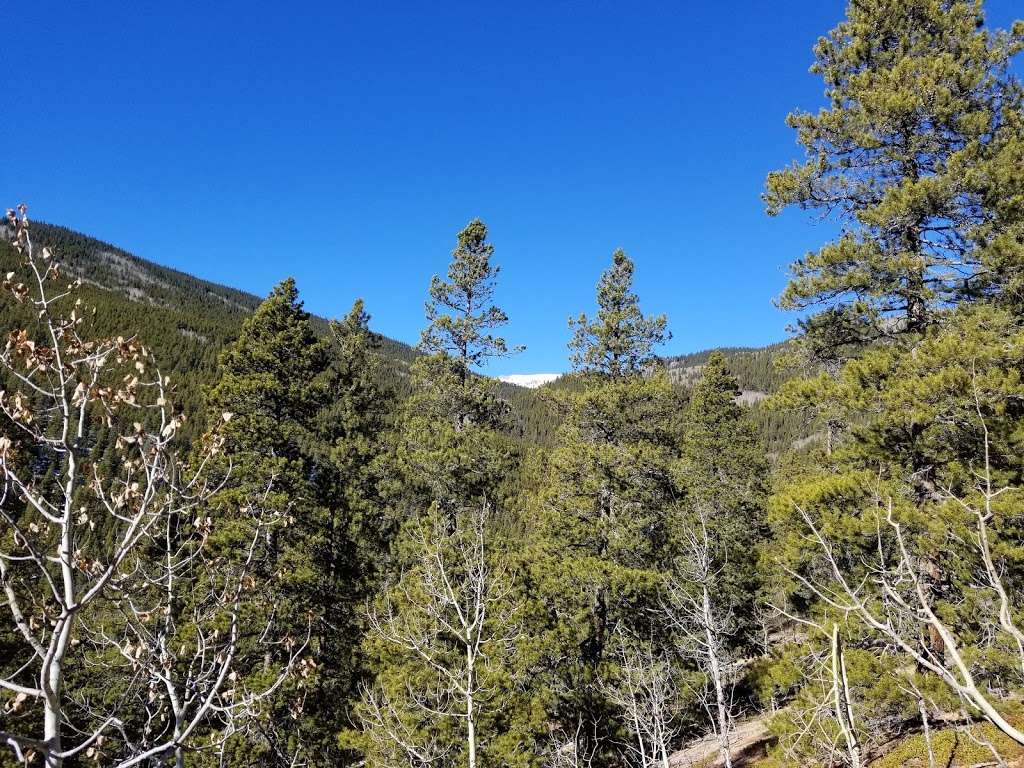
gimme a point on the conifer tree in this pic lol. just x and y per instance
(269, 392)
(352, 430)
(438, 673)
(713, 579)
(905, 510)
(442, 638)
(349, 559)
(460, 312)
(1002, 191)
(603, 510)
(915, 154)
(620, 341)
(724, 470)
(920, 105)
(451, 448)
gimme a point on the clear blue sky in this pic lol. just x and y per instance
(346, 143)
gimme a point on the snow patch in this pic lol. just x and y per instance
(529, 380)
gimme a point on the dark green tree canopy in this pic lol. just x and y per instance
(920, 102)
(450, 447)
(724, 470)
(620, 341)
(270, 389)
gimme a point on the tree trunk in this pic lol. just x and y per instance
(843, 707)
(470, 714)
(51, 735)
(715, 668)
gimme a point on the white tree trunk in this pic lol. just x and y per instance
(470, 704)
(841, 697)
(715, 668)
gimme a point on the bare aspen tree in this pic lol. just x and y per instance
(73, 551)
(842, 703)
(702, 627)
(396, 740)
(180, 631)
(645, 692)
(450, 613)
(894, 601)
(922, 707)
(818, 729)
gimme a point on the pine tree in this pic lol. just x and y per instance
(620, 341)
(442, 639)
(902, 507)
(460, 312)
(269, 392)
(920, 104)
(439, 673)
(350, 559)
(724, 471)
(603, 511)
(451, 443)
(1002, 191)
(351, 435)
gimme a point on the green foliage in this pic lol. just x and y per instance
(757, 369)
(954, 747)
(452, 599)
(407, 482)
(460, 311)
(452, 445)
(446, 480)
(930, 429)
(271, 389)
(724, 473)
(602, 514)
(922, 114)
(351, 430)
(602, 536)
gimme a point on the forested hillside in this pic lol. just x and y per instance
(234, 534)
(187, 321)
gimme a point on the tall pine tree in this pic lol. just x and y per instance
(450, 447)
(444, 628)
(724, 471)
(269, 393)
(921, 105)
(602, 513)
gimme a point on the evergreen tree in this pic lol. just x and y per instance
(432, 698)
(350, 559)
(269, 392)
(451, 444)
(603, 511)
(620, 341)
(933, 431)
(460, 312)
(443, 639)
(1002, 192)
(724, 471)
(352, 429)
(921, 103)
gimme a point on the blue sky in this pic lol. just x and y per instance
(346, 143)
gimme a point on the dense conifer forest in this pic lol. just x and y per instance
(236, 534)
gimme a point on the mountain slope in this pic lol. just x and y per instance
(106, 266)
(186, 321)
